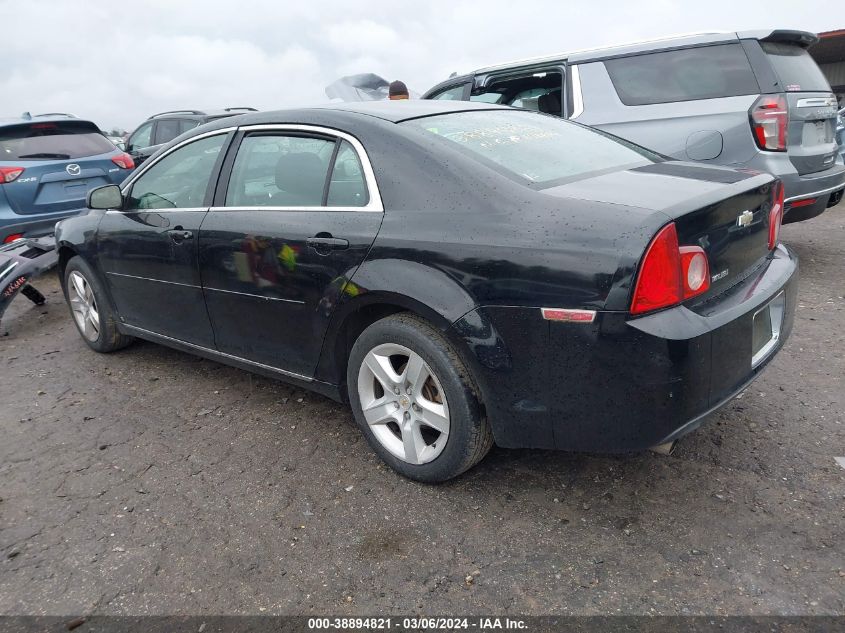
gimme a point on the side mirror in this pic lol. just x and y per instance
(106, 197)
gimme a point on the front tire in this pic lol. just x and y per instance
(415, 401)
(90, 308)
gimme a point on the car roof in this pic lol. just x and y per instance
(43, 118)
(390, 111)
(201, 114)
(802, 38)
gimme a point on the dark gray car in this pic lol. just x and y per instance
(753, 100)
(159, 129)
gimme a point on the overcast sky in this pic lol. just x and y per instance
(118, 62)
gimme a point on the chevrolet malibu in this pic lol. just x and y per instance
(460, 274)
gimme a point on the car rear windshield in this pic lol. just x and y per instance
(796, 70)
(707, 72)
(533, 148)
(52, 141)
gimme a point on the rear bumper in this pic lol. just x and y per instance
(621, 384)
(31, 225)
(819, 185)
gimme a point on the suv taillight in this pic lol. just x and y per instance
(769, 120)
(669, 273)
(10, 174)
(124, 161)
(776, 214)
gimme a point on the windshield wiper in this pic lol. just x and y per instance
(45, 155)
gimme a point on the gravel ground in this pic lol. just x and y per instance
(153, 482)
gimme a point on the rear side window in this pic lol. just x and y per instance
(166, 130)
(187, 124)
(52, 141)
(796, 70)
(532, 148)
(347, 187)
(707, 72)
(273, 170)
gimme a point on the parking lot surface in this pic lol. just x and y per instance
(153, 482)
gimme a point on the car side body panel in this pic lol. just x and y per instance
(479, 254)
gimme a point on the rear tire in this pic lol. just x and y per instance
(415, 401)
(90, 308)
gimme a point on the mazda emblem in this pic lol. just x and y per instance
(73, 169)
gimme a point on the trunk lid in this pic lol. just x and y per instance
(724, 211)
(811, 136)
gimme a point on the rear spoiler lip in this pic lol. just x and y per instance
(804, 39)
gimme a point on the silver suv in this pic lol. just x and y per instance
(753, 100)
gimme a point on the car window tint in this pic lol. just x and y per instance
(487, 97)
(187, 124)
(180, 179)
(347, 187)
(275, 170)
(166, 130)
(536, 149)
(141, 137)
(795, 68)
(455, 93)
(706, 72)
(52, 140)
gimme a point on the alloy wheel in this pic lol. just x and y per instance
(84, 306)
(403, 403)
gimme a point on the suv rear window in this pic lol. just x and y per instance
(52, 141)
(795, 68)
(533, 148)
(707, 72)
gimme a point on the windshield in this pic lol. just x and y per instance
(56, 140)
(542, 150)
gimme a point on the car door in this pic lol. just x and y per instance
(296, 217)
(148, 249)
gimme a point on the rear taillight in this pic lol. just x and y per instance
(124, 161)
(10, 174)
(776, 214)
(11, 238)
(669, 273)
(769, 120)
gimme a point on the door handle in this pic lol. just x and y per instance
(179, 235)
(323, 243)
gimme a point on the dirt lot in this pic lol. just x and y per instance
(153, 482)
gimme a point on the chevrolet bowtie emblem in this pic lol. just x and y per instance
(745, 218)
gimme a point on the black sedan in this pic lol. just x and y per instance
(461, 274)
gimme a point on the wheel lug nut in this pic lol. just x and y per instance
(396, 390)
(395, 405)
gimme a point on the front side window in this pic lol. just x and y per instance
(537, 150)
(707, 72)
(282, 170)
(455, 93)
(180, 179)
(142, 137)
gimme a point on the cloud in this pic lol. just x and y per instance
(117, 64)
